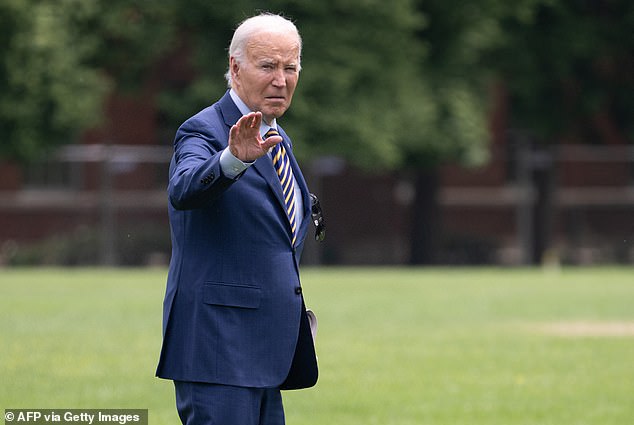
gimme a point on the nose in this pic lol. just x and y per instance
(279, 80)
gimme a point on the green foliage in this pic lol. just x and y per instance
(133, 36)
(48, 92)
(384, 84)
(454, 127)
(359, 92)
(63, 57)
(204, 32)
(568, 68)
(364, 91)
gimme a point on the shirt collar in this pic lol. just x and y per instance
(244, 109)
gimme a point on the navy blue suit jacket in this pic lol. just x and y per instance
(233, 303)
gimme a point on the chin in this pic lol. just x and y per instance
(275, 114)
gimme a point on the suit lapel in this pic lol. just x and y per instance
(229, 111)
(264, 166)
(299, 180)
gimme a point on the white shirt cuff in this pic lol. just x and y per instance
(232, 166)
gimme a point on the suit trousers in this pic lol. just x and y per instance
(200, 403)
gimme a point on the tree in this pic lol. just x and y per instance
(62, 58)
(454, 129)
(366, 93)
(398, 85)
(568, 68)
(569, 72)
(359, 92)
(48, 92)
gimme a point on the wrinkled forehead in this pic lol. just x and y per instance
(275, 45)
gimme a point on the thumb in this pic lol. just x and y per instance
(271, 141)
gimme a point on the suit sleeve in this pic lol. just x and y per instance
(196, 177)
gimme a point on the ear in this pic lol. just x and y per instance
(234, 66)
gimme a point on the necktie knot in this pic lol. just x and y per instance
(271, 132)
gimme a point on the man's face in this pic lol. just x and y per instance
(268, 74)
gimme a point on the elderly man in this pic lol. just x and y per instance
(235, 328)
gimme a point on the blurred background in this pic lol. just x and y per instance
(433, 132)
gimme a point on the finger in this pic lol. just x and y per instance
(257, 120)
(244, 121)
(250, 121)
(247, 120)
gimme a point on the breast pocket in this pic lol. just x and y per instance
(232, 295)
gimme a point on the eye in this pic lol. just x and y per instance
(291, 68)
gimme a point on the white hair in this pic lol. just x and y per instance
(263, 23)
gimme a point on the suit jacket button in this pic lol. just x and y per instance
(298, 290)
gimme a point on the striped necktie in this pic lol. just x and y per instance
(283, 168)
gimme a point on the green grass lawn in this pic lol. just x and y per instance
(396, 346)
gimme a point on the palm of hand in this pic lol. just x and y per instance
(245, 141)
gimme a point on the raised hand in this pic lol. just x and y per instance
(245, 141)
